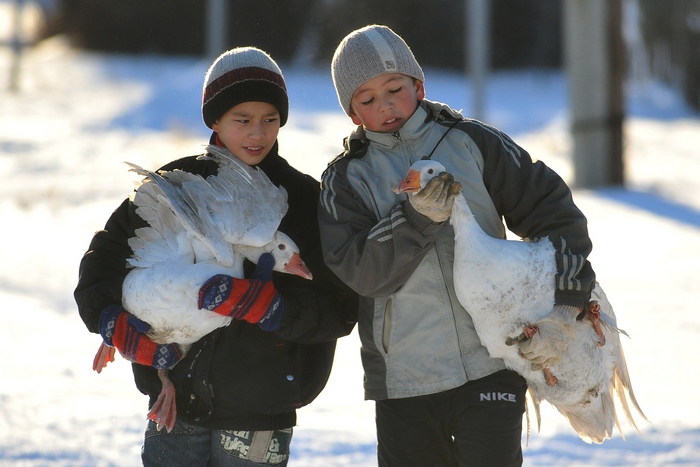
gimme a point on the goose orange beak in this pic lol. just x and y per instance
(409, 184)
(297, 267)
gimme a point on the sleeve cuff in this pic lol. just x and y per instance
(418, 221)
(572, 298)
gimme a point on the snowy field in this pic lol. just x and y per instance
(78, 116)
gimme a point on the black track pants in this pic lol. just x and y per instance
(476, 425)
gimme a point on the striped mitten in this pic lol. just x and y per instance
(127, 333)
(254, 300)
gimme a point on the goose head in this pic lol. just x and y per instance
(419, 175)
(285, 252)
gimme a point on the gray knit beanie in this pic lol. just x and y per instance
(240, 75)
(367, 53)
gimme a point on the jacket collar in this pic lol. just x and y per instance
(414, 127)
(421, 120)
(271, 161)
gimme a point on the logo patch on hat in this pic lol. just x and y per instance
(389, 65)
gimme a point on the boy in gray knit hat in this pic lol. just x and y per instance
(238, 388)
(441, 400)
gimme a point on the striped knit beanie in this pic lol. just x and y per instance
(367, 53)
(243, 74)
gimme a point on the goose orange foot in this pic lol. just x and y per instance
(164, 411)
(105, 354)
(528, 332)
(549, 377)
(594, 315)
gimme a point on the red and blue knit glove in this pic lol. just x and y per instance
(254, 300)
(127, 333)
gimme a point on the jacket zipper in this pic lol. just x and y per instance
(452, 308)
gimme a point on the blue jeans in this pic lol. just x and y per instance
(193, 446)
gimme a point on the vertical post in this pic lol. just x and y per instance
(216, 27)
(477, 48)
(594, 60)
(17, 44)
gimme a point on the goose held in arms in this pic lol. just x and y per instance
(507, 286)
(198, 228)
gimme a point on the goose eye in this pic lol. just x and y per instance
(282, 246)
(430, 171)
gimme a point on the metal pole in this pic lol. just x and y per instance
(216, 27)
(478, 19)
(17, 45)
(594, 58)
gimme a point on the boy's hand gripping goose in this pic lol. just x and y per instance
(200, 231)
(508, 289)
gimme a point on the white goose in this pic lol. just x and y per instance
(197, 228)
(507, 286)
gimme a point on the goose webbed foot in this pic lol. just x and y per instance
(104, 355)
(164, 411)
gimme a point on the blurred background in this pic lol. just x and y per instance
(87, 84)
(522, 33)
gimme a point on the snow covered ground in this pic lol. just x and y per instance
(78, 115)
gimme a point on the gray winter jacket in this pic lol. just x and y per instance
(416, 337)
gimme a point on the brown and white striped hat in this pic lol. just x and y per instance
(243, 74)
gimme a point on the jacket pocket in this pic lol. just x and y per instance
(194, 393)
(386, 326)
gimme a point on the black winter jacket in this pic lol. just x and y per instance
(239, 377)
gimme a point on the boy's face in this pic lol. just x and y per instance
(249, 130)
(384, 103)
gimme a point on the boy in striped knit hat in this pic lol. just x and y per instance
(238, 388)
(441, 400)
